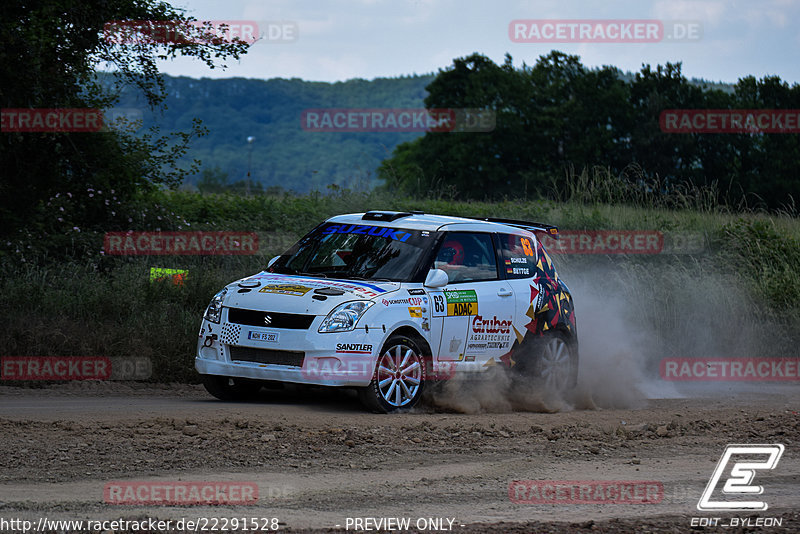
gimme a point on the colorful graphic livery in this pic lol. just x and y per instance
(389, 303)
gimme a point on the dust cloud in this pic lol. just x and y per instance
(630, 315)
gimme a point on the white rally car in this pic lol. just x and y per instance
(387, 302)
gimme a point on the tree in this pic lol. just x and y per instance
(51, 50)
(768, 162)
(554, 114)
(558, 115)
(213, 180)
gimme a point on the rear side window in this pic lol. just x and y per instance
(467, 257)
(519, 256)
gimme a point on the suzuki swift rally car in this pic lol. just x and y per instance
(389, 302)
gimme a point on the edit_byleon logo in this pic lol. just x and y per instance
(739, 482)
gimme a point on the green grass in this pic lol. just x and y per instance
(90, 305)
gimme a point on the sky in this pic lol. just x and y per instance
(337, 40)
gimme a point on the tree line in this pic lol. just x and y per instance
(559, 115)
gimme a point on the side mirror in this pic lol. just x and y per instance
(436, 278)
(273, 260)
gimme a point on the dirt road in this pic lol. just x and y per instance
(319, 459)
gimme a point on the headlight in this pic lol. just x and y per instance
(345, 316)
(214, 310)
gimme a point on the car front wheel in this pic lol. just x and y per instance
(398, 379)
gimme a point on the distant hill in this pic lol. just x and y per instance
(283, 154)
(270, 110)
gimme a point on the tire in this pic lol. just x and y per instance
(228, 388)
(399, 378)
(550, 360)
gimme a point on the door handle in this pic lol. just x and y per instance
(504, 292)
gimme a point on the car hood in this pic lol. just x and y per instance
(300, 294)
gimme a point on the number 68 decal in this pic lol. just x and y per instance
(526, 246)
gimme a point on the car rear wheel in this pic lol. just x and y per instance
(398, 379)
(231, 389)
(552, 360)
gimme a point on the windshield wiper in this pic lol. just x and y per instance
(319, 274)
(354, 277)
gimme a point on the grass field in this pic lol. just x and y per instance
(739, 295)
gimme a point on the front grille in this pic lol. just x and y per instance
(267, 356)
(293, 321)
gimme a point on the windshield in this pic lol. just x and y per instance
(360, 252)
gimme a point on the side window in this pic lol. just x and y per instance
(467, 257)
(519, 255)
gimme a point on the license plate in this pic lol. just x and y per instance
(270, 337)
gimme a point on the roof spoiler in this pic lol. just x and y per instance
(547, 229)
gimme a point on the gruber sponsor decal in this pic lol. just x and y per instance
(491, 326)
(375, 231)
(285, 289)
(491, 333)
(354, 348)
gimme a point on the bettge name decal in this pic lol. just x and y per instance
(354, 348)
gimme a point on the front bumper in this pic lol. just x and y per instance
(344, 359)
